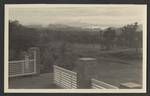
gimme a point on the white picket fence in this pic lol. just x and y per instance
(96, 84)
(22, 67)
(65, 78)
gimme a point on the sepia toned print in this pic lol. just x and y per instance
(75, 48)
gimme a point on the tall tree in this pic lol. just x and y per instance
(108, 38)
(129, 35)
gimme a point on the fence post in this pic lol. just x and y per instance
(26, 64)
(35, 55)
(85, 71)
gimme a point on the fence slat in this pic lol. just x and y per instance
(65, 78)
(101, 85)
(17, 68)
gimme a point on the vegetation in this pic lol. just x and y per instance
(56, 41)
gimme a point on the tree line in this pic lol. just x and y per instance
(22, 37)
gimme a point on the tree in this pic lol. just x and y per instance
(108, 38)
(129, 35)
(21, 38)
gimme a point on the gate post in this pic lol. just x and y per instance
(85, 72)
(35, 55)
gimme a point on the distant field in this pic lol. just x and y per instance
(94, 50)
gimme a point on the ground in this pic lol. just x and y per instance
(41, 81)
(116, 73)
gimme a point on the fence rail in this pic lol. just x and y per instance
(22, 67)
(65, 78)
(18, 61)
(96, 84)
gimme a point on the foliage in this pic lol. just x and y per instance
(55, 42)
(21, 38)
(108, 38)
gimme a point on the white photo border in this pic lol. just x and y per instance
(6, 52)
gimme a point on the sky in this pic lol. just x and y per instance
(83, 16)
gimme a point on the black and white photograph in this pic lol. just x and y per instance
(89, 48)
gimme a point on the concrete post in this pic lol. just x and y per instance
(85, 72)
